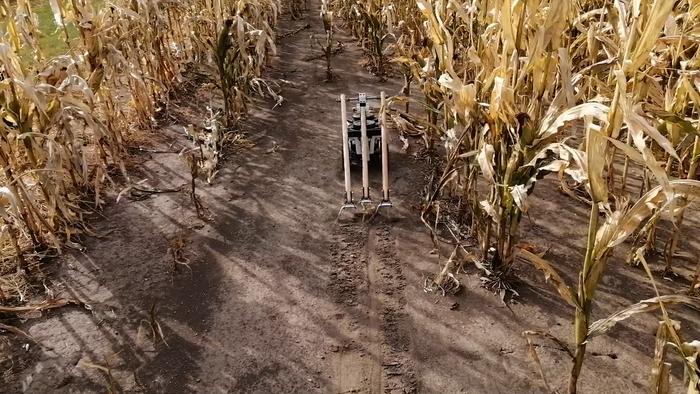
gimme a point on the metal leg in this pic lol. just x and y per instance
(385, 157)
(346, 155)
(365, 149)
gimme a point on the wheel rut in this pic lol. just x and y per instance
(367, 284)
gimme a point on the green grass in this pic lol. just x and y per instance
(52, 40)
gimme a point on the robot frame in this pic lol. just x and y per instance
(364, 138)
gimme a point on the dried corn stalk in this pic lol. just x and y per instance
(63, 117)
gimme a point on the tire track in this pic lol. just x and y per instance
(367, 283)
(398, 373)
(356, 364)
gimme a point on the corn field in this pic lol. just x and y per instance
(591, 91)
(602, 95)
(65, 119)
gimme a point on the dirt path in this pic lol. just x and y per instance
(278, 297)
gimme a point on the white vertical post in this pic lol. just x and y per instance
(346, 149)
(365, 147)
(385, 151)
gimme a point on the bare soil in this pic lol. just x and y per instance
(279, 297)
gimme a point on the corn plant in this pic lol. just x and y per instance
(297, 8)
(372, 24)
(410, 43)
(624, 221)
(241, 52)
(510, 139)
(618, 225)
(327, 17)
(45, 118)
(693, 152)
(62, 123)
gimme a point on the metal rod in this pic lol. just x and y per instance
(346, 149)
(365, 148)
(357, 99)
(385, 151)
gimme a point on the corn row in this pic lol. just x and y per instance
(64, 118)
